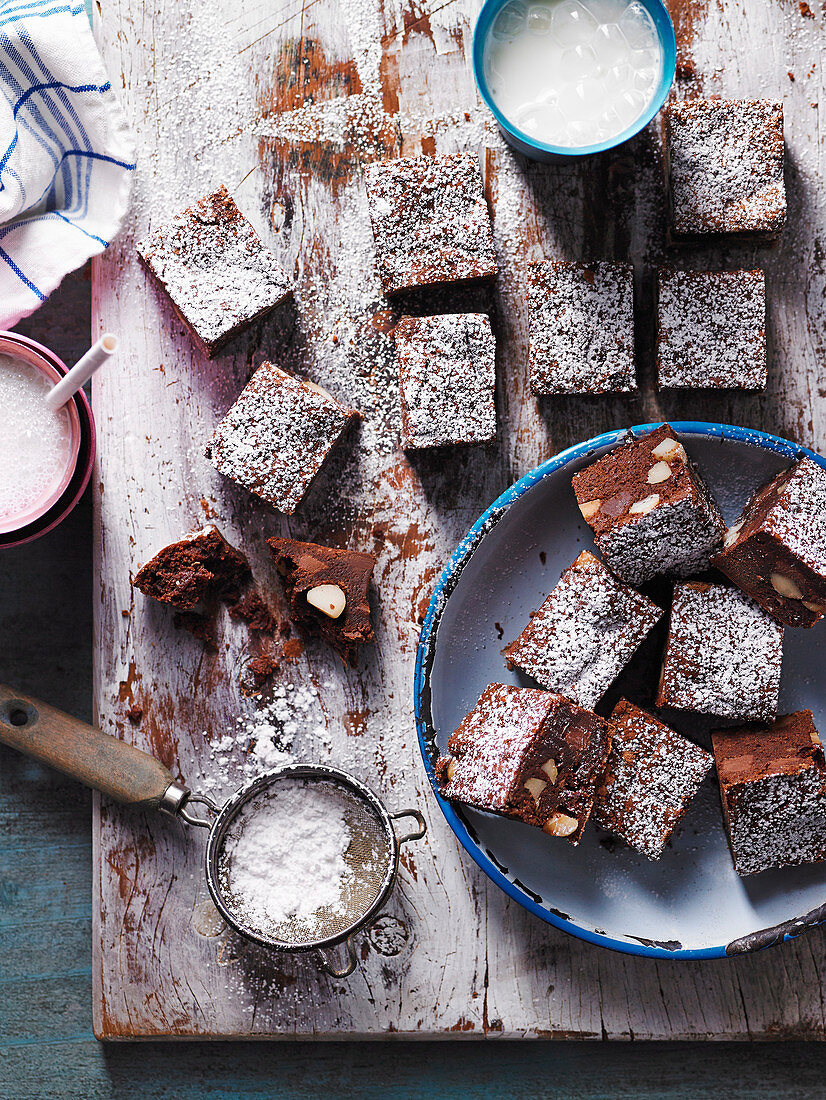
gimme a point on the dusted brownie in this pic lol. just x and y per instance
(447, 376)
(584, 632)
(430, 221)
(712, 330)
(773, 790)
(328, 592)
(776, 551)
(277, 435)
(200, 568)
(217, 273)
(650, 510)
(581, 327)
(527, 754)
(651, 776)
(723, 654)
(724, 167)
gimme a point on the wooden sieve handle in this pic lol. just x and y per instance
(113, 767)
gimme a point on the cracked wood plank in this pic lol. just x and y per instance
(285, 103)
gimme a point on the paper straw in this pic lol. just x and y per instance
(83, 370)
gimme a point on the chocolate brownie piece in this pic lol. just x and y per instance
(277, 435)
(217, 273)
(447, 376)
(577, 642)
(724, 167)
(527, 754)
(581, 327)
(328, 592)
(650, 511)
(712, 330)
(651, 776)
(723, 654)
(200, 568)
(773, 790)
(430, 221)
(776, 551)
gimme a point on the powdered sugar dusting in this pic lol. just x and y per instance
(798, 519)
(430, 221)
(213, 266)
(447, 369)
(581, 327)
(584, 632)
(726, 166)
(283, 857)
(712, 329)
(651, 777)
(723, 654)
(277, 435)
(492, 744)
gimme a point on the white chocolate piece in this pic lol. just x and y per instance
(560, 824)
(643, 507)
(590, 508)
(660, 471)
(327, 598)
(535, 787)
(784, 586)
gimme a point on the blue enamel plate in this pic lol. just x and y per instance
(690, 904)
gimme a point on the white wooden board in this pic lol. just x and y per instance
(285, 102)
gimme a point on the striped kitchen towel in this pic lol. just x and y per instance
(66, 153)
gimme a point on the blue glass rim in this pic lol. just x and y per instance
(427, 644)
(665, 29)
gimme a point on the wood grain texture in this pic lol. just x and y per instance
(285, 102)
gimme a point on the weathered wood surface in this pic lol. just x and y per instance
(285, 102)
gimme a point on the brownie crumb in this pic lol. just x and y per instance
(255, 612)
(202, 627)
(805, 10)
(262, 668)
(134, 714)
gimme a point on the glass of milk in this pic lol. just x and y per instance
(573, 77)
(39, 446)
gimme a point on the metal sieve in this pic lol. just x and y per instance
(134, 778)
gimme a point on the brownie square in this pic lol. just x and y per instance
(651, 776)
(649, 508)
(530, 755)
(584, 633)
(724, 167)
(217, 273)
(581, 327)
(328, 591)
(711, 330)
(199, 568)
(776, 551)
(430, 221)
(447, 376)
(723, 654)
(277, 435)
(773, 790)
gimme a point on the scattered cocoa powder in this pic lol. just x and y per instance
(202, 627)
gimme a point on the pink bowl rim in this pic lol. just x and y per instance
(87, 446)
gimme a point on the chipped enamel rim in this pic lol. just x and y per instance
(427, 648)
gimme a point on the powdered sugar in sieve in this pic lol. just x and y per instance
(302, 861)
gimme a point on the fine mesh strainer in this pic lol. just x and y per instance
(134, 778)
(372, 860)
